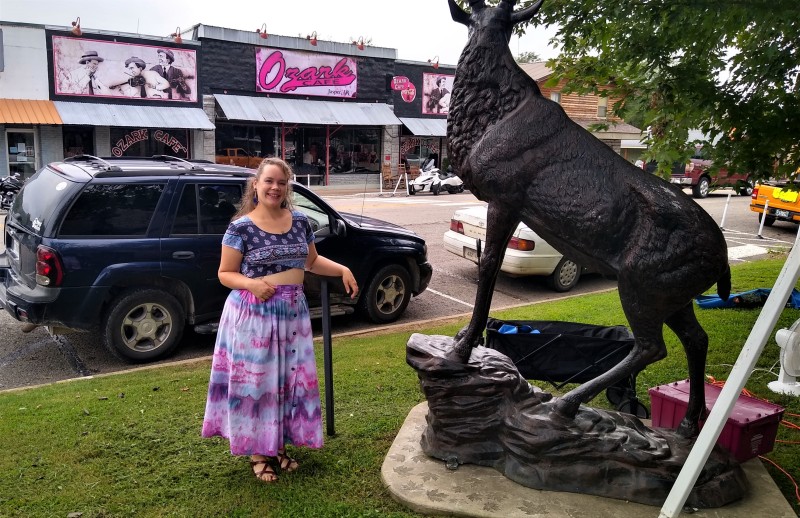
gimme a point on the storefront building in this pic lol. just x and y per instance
(421, 98)
(105, 94)
(323, 107)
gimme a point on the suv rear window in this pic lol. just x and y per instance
(112, 210)
(42, 194)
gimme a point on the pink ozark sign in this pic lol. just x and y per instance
(303, 73)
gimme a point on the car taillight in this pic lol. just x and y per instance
(755, 193)
(49, 269)
(521, 244)
(456, 226)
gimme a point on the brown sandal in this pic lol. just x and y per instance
(267, 473)
(287, 463)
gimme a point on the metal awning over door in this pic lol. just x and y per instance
(426, 127)
(301, 111)
(28, 111)
(99, 114)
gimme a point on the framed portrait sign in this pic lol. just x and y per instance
(436, 90)
(84, 67)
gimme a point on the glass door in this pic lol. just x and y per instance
(21, 149)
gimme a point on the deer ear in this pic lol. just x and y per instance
(523, 15)
(458, 13)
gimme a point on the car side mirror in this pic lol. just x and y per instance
(339, 228)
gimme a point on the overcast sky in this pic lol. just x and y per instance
(418, 29)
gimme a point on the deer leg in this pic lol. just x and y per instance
(695, 343)
(500, 225)
(646, 324)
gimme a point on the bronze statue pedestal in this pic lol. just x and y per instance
(484, 413)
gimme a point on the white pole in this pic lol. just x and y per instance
(725, 212)
(763, 218)
(733, 386)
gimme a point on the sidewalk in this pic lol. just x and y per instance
(349, 185)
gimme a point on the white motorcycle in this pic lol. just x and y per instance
(433, 181)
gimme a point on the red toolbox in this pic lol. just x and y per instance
(750, 430)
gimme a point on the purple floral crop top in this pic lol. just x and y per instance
(264, 253)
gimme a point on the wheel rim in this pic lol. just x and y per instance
(567, 273)
(390, 294)
(146, 327)
(703, 188)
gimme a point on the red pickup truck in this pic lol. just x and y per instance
(696, 175)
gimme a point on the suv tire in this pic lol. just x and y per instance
(143, 324)
(387, 294)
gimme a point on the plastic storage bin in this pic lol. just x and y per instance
(750, 430)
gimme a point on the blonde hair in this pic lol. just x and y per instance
(249, 200)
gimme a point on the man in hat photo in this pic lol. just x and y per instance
(178, 89)
(84, 80)
(141, 83)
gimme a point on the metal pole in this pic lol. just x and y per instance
(328, 354)
(733, 386)
(725, 212)
(763, 218)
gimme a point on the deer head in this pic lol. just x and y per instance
(502, 16)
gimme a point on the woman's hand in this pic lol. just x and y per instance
(261, 289)
(350, 284)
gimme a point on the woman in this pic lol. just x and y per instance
(264, 392)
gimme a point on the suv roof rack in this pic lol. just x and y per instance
(108, 166)
(167, 158)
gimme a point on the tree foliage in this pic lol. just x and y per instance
(729, 68)
(527, 57)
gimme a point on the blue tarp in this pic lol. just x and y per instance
(747, 299)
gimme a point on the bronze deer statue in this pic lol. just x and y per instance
(521, 153)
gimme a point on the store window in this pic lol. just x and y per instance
(149, 142)
(78, 140)
(21, 152)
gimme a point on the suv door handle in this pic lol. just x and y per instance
(183, 255)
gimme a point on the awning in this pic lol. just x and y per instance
(301, 111)
(98, 114)
(28, 111)
(426, 127)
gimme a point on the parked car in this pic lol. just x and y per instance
(130, 247)
(526, 254)
(238, 156)
(696, 175)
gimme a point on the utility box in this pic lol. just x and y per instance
(750, 430)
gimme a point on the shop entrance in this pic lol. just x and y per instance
(21, 152)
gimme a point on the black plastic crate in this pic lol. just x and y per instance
(568, 352)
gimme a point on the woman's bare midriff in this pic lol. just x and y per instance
(293, 276)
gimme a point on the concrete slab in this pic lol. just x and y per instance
(425, 485)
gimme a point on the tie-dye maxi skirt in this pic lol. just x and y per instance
(264, 390)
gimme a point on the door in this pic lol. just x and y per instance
(21, 152)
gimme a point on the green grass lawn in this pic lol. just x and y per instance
(130, 445)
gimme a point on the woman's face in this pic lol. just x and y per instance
(272, 186)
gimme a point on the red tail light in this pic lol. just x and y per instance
(755, 193)
(521, 244)
(456, 226)
(49, 269)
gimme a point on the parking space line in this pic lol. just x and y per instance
(448, 297)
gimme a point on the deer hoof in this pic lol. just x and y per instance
(566, 407)
(688, 429)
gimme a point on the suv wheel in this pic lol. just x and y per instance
(387, 294)
(768, 221)
(701, 189)
(143, 324)
(565, 276)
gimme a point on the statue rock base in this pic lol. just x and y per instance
(483, 412)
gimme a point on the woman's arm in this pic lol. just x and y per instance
(324, 266)
(230, 276)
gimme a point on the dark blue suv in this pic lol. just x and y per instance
(130, 247)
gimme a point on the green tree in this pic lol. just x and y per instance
(527, 57)
(730, 68)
